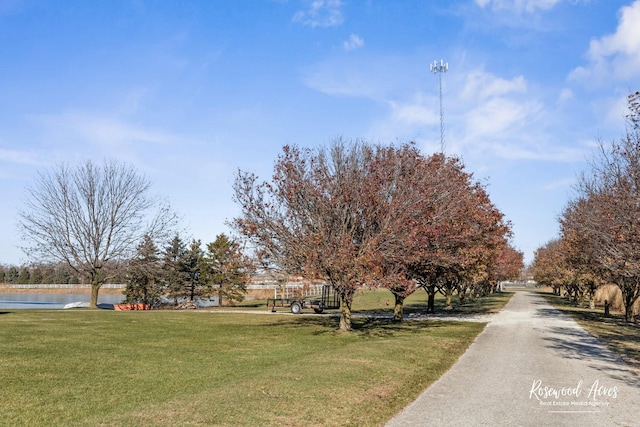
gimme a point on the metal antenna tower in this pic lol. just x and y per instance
(438, 69)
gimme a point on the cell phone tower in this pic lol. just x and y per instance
(439, 69)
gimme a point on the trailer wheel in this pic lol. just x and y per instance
(296, 308)
(318, 310)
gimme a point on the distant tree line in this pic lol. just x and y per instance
(38, 274)
(599, 242)
(355, 214)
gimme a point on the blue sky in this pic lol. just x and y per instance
(190, 91)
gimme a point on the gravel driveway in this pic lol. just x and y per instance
(531, 366)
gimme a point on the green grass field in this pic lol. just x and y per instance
(96, 367)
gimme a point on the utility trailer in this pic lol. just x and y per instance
(327, 300)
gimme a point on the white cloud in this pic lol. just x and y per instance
(518, 6)
(626, 39)
(381, 78)
(521, 149)
(495, 117)
(612, 110)
(105, 130)
(351, 83)
(496, 107)
(485, 117)
(419, 111)
(614, 55)
(20, 157)
(354, 42)
(361, 78)
(562, 184)
(565, 95)
(415, 113)
(481, 85)
(76, 135)
(321, 13)
(498, 116)
(484, 114)
(15, 164)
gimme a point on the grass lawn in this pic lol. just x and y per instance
(623, 338)
(98, 367)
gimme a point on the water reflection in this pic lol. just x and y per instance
(36, 300)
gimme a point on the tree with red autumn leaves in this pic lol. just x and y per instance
(476, 235)
(456, 240)
(549, 266)
(410, 192)
(602, 223)
(356, 213)
(309, 219)
(508, 266)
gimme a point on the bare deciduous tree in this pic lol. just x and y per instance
(89, 215)
(603, 222)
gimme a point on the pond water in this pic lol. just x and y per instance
(35, 300)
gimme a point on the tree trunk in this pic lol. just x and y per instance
(448, 294)
(462, 295)
(431, 293)
(628, 307)
(630, 293)
(580, 296)
(345, 316)
(95, 288)
(398, 309)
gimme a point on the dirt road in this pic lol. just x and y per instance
(531, 366)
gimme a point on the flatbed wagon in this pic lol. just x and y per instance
(327, 300)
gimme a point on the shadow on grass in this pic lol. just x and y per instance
(377, 327)
(250, 304)
(364, 327)
(483, 305)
